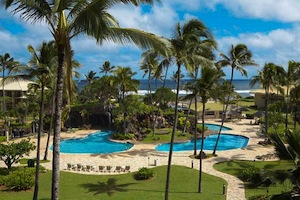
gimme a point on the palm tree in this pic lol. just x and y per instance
(295, 100)
(68, 19)
(267, 78)
(91, 76)
(149, 64)
(41, 67)
(123, 80)
(106, 68)
(6, 63)
(206, 88)
(239, 57)
(290, 79)
(190, 32)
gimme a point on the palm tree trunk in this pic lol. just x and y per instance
(287, 109)
(172, 137)
(196, 123)
(161, 94)
(51, 127)
(57, 129)
(4, 106)
(223, 114)
(151, 100)
(40, 129)
(266, 111)
(186, 118)
(202, 146)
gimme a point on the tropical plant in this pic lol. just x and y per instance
(267, 78)
(239, 57)
(123, 80)
(295, 100)
(185, 35)
(6, 63)
(91, 76)
(206, 87)
(290, 79)
(41, 66)
(66, 20)
(12, 152)
(106, 68)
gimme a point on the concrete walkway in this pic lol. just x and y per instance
(144, 155)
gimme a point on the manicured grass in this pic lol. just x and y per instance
(270, 169)
(184, 185)
(25, 160)
(165, 137)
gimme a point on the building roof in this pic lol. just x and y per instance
(16, 85)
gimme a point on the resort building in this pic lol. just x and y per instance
(15, 90)
(259, 97)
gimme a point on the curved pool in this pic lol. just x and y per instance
(96, 143)
(226, 142)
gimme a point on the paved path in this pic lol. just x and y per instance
(144, 155)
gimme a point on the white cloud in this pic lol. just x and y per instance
(284, 10)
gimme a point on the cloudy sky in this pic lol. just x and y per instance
(270, 29)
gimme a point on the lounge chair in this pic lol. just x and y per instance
(127, 169)
(89, 168)
(69, 166)
(80, 167)
(108, 168)
(118, 169)
(101, 168)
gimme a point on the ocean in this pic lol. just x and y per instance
(241, 86)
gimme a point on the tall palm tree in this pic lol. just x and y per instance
(6, 63)
(40, 67)
(206, 88)
(68, 19)
(290, 79)
(239, 57)
(267, 78)
(106, 68)
(149, 65)
(190, 32)
(200, 54)
(123, 80)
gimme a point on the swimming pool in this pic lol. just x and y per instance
(226, 142)
(96, 143)
(216, 127)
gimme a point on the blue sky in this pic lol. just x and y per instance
(270, 29)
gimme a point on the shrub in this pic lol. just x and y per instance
(250, 174)
(144, 174)
(2, 138)
(181, 122)
(259, 197)
(199, 128)
(20, 179)
(123, 136)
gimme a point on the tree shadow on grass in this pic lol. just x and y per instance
(110, 187)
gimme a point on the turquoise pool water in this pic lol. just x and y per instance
(96, 143)
(216, 127)
(226, 142)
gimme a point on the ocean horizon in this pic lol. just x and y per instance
(241, 86)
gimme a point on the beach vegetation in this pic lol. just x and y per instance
(144, 173)
(276, 171)
(12, 152)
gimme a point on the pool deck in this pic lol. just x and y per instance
(144, 155)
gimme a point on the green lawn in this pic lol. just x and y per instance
(184, 184)
(271, 169)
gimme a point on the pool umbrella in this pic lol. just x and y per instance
(259, 113)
